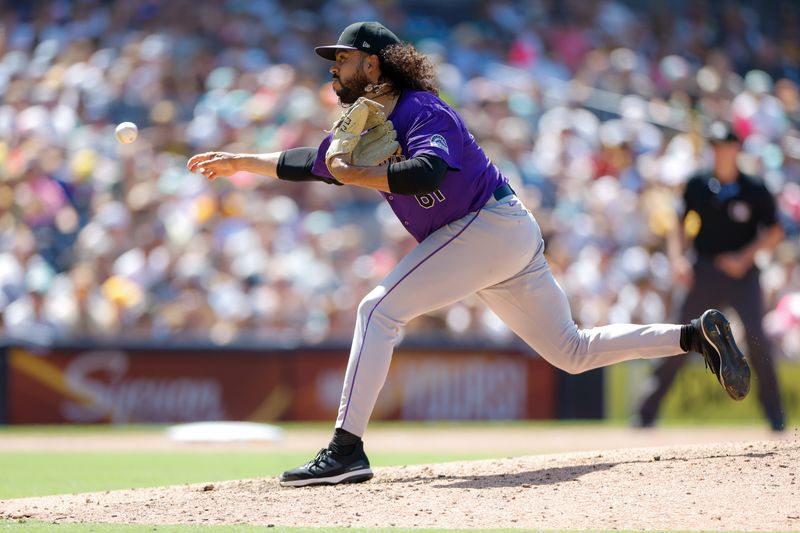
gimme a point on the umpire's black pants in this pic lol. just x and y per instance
(715, 289)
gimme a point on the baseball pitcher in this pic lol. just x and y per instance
(475, 237)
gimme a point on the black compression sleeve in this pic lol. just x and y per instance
(422, 174)
(295, 164)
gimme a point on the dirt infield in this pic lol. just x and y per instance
(740, 485)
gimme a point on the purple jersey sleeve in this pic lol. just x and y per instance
(320, 168)
(425, 124)
(438, 133)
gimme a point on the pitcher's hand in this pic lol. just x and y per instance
(214, 164)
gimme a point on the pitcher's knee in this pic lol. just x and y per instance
(573, 365)
(374, 311)
(569, 356)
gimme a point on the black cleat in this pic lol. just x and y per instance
(330, 468)
(722, 356)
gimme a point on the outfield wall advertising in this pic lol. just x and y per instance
(73, 385)
(120, 386)
(696, 395)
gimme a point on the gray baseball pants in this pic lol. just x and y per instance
(498, 254)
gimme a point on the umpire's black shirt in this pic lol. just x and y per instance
(730, 214)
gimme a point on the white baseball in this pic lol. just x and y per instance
(126, 132)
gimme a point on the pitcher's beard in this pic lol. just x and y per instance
(352, 89)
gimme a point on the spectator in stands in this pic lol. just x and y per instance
(132, 245)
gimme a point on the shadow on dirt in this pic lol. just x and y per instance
(550, 476)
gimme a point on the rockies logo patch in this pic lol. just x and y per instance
(439, 142)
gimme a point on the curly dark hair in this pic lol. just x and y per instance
(407, 68)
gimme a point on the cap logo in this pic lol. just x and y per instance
(365, 44)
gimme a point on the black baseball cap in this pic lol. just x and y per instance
(370, 37)
(721, 132)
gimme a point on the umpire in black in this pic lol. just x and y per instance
(729, 217)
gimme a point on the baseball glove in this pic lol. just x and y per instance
(376, 146)
(363, 115)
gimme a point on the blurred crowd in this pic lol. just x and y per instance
(594, 110)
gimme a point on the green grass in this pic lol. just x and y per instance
(39, 474)
(42, 473)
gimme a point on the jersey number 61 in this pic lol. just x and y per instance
(428, 200)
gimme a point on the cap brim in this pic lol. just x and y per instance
(329, 52)
(725, 140)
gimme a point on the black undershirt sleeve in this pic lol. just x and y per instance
(422, 174)
(295, 164)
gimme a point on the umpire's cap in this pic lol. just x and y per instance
(721, 132)
(370, 37)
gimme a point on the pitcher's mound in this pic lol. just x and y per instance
(725, 486)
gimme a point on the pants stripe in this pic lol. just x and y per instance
(369, 317)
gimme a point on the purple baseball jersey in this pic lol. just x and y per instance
(427, 125)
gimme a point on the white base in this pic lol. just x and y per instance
(224, 432)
